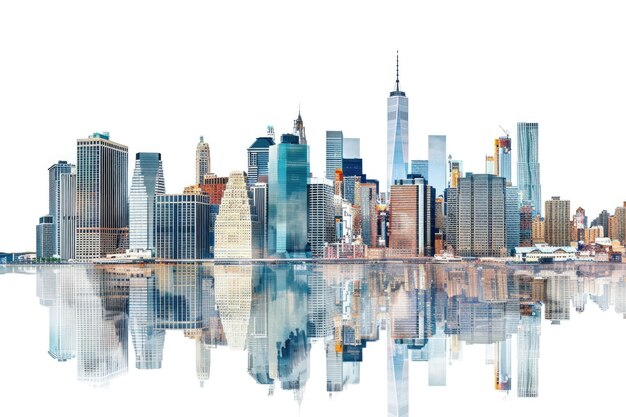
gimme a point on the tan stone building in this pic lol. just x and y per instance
(557, 225)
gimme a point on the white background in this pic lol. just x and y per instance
(158, 74)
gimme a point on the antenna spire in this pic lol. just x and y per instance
(397, 70)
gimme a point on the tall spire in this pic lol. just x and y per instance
(397, 70)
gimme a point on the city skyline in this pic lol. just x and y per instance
(551, 89)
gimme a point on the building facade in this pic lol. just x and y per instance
(411, 212)
(512, 219)
(420, 167)
(67, 216)
(334, 152)
(181, 226)
(203, 160)
(321, 215)
(437, 163)
(528, 168)
(54, 199)
(147, 183)
(557, 222)
(287, 202)
(397, 134)
(258, 159)
(45, 237)
(101, 197)
(233, 224)
(477, 212)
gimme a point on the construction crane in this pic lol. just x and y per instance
(506, 132)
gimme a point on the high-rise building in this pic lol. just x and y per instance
(334, 152)
(526, 222)
(66, 225)
(258, 159)
(412, 217)
(181, 226)
(203, 160)
(528, 169)
(287, 203)
(233, 224)
(101, 197)
(502, 158)
(45, 237)
(455, 168)
(54, 200)
(367, 203)
(437, 163)
(420, 167)
(397, 133)
(214, 187)
(512, 219)
(321, 215)
(602, 220)
(147, 183)
(557, 222)
(259, 219)
(351, 148)
(477, 212)
(489, 165)
(538, 230)
(353, 167)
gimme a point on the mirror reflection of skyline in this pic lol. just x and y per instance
(423, 313)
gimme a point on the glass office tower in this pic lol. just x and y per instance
(397, 134)
(334, 152)
(437, 162)
(54, 201)
(528, 168)
(147, 183)
(287, 189)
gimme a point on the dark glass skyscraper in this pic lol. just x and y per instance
(287, 189)
(528, 169)
(258, 159)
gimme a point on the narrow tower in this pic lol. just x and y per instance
(203, 160)
(397, 133)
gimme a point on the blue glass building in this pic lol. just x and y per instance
(397, 134)
(420, 167)
(258, 159)
(147, 183)
(528, 169)
(287, 198)
(437, 161)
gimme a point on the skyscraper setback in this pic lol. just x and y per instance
(101, 197)
(397, 133)
(528, 169)
(147, 183)
(203, 160)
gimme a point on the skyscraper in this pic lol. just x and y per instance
(287, 188)
(420, 167)
(528, 169)
(181, 226)
(54, 201)
(512, 219)
(334, 152)
(258, 159)
(101, 197)
(45, 237)
(321, 215)
(203, 160)
(66, 226)
(397, 133)
(437, 162)
(351, 148)
(259, 219)
(502, 158)
(476, 216)
(412, 209)
(557, 222)
(147, 183)
(233, 224)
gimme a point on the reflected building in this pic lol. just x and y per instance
(178, 296)
(397, 378)
(528, 353)
(62, 341)
(148, 339)
(101, 295)
(258, 329)
(233, 298)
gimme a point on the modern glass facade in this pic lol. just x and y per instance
(258, 159)
(287, 202)
(502, 158)
(147, 183)
(182, 226)
(437, 162)
(528, 168)
(512, 219)
(101, 197)
(66, 226)
(420, 167)
(334, 152)
(54, 199)
(397, 137)
(351, 148)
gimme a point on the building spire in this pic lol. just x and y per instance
(397, 70)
